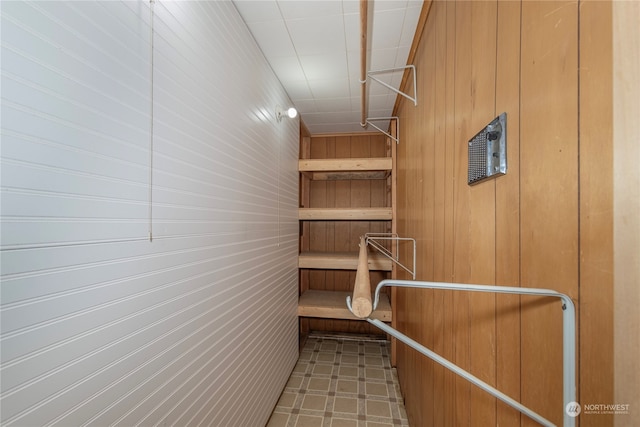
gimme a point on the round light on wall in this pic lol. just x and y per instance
(289, 112)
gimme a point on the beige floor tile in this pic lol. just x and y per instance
(287, 400)
(314, 402)
(331, 346)
(378, 408)
(350, 359)
(308, 421)
(300, 368)
(278, 420)
(319, 384)
(373, 361)
(326, 357)
(373, 348)
(305, 355)
(294, 382)
(376, 389)
(374, 373)
(347, 386)
(322, 369)
(348, 371)
(350, 347)
(339, 422)
(346, 405)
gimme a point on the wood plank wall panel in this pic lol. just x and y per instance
(482, 213)
(449, 390)
(596, 208)
(626, 185)
(523, 229)
(330, 236)
(440, 299)
(101, 326)
(508, 218)
(400, 300)
(549, 186)
(425, 156)
(463, 99)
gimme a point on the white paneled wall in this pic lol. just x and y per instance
(100, 324)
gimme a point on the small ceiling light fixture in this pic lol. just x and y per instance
(289, 112)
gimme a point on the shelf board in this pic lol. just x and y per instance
(339, 214)
(346, 169)
(345, 165)
(337, 176)
(341, 261)
(332, 305)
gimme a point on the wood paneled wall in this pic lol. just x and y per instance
(341, 236)
(626, 130)
(546, 224)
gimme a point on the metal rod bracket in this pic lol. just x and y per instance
(370, 75)
(374, 240)
(395, 138)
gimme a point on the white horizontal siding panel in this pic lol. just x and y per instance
(53, 104)
(163, 380)
(227, 353)
(128, 121)
(78, 79)
(99, 325)
(78, 48)
(93, 192)
(76, 312)
(70, 136)
(80, 366)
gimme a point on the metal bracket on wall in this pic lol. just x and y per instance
(370, 75)
(395, 138)
(375, 241)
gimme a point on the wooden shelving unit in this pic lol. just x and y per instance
(341, 198)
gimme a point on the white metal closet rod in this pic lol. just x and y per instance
(568, 341)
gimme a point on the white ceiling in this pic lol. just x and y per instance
(314, 48)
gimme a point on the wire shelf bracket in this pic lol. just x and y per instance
(375, 241)
(395, 138)
(414, 99)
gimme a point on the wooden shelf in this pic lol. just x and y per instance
(332, 305)
(346, 169)
(341, 261)
(346, 214)
(337, 176)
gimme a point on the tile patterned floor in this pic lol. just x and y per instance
(341, 382)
